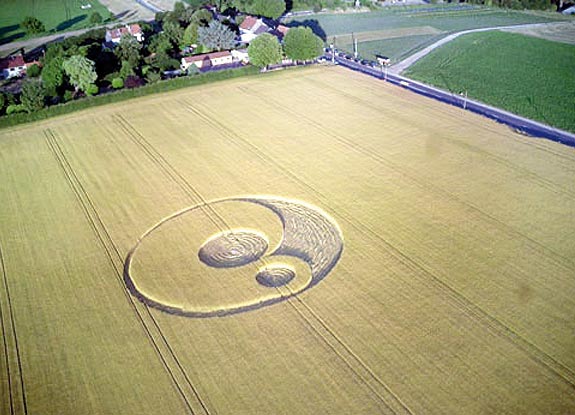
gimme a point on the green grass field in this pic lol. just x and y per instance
(443, 241)
(57, 16)
(536, 80)
(441, 19)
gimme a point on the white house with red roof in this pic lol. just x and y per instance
(251, 28)
(113, 36)
(207, 60)
(12, 66)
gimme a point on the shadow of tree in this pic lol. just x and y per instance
(8, 29)
(11, 38)
(69, 23)
(313, 25)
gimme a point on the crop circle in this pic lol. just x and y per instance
(233, 249)
(275, 275)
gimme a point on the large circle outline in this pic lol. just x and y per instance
(223, 311)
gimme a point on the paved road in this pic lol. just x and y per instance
(407, 62)
(520, 124)
(140, 9)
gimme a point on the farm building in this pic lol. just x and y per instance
(207, 60)
(113, 36)
(240, 55)
(251, 28)
(12, 66)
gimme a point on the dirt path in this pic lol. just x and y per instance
(407, 62)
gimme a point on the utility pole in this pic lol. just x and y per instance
(464, 95)
(354, 45)
(333, 52)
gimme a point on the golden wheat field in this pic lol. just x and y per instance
(303, 242)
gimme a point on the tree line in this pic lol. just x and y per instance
(79, 66)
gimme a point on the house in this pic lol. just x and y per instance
(207, 60)
(251, 28)
(113, 36)
(241, 55)
(280, 31)
(12, 66)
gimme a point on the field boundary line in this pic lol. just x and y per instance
(102, 235)
(6, 293)
(463, 303)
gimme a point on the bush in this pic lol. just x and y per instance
(68, 96)
(117, 83)
(92, 89)
(153, 77)
(96, 18)
(193, 70)
(33, 71)
(133, 82)
(14, 108)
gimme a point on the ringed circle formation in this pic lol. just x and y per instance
(309, 234)
(234, 248)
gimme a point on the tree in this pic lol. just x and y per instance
(191, 34)
(216, 36)
(126, 70)
(268, 8)
(159, 43)
(53, 75)
(128, 49)
(301, 44)
(32, 25)
(96, 18)
(33, 71)
(81, 72)
(202, 17)
(173, 32)
(265, 50)
(32, 97)
(2, 101)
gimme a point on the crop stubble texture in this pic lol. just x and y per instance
(454, 293)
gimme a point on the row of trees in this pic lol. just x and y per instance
(78, 66)
(300, 44)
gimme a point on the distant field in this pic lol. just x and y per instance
(535, 80)
(410, 22)
(57, 15)
(441, 246)
(563, 32)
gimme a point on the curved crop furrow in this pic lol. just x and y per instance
(115, 259)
